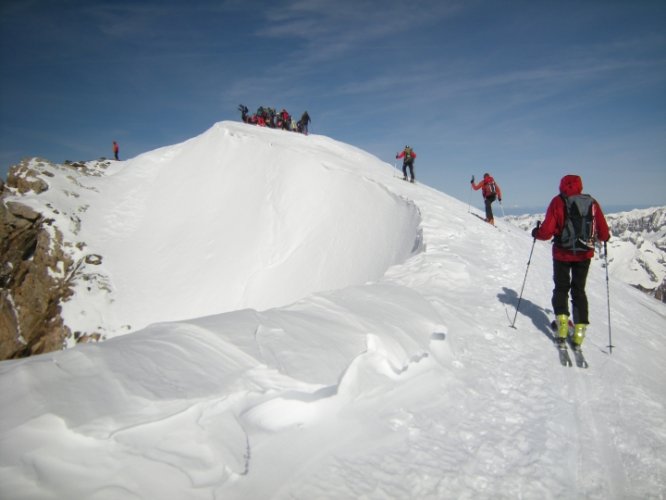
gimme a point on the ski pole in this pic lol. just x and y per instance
(520, 298)
(469, 200)
(502, 207)
(610, 342)
(469, 197)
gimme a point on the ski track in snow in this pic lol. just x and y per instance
(410, 385)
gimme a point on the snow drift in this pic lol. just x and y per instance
(412, 385)
(238, 217)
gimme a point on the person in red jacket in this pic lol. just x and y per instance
(116, 149)
(491, 191)
(570, 267)
(409, 156)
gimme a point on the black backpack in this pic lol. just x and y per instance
(578, 233)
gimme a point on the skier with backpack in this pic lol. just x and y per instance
(304, 123)
(408, 156)
(575, 220)
(285, 119)
(243, 109)
(491, 192)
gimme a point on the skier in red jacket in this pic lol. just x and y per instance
(409, 156)
(490, 192)
(570, 266)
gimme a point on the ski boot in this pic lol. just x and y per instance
(562, 324)
(578, 336)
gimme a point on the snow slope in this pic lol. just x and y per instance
(402, 379)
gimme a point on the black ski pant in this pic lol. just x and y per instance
(571, 276)
(411, 169)
(488, 200)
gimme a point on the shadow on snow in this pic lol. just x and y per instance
(537, 314)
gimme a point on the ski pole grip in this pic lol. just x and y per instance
(534, 231)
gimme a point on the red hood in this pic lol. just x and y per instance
(571, 185)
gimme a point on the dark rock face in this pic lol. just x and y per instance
(30, 249)
(38, 268)
(30, 320)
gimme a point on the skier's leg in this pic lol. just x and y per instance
(579, 272)
(562, 281)
(489, 211)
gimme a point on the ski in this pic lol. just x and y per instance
(581, 362)
(561, 345)
(484, 220)
(565, 359)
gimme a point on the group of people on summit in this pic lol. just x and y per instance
(269, 117)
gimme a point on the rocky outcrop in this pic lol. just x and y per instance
(31, 279)
(42, 261)
(41, 258)
(23, 178)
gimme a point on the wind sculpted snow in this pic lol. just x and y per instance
(404, 381)
(236, 218)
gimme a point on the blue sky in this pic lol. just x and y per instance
(526, 90)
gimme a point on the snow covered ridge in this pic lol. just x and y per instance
(410, 385)
(252, 208)
(637, 249)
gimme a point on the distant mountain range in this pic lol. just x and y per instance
(636, 250)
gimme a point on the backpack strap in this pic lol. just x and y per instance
(558, 236)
